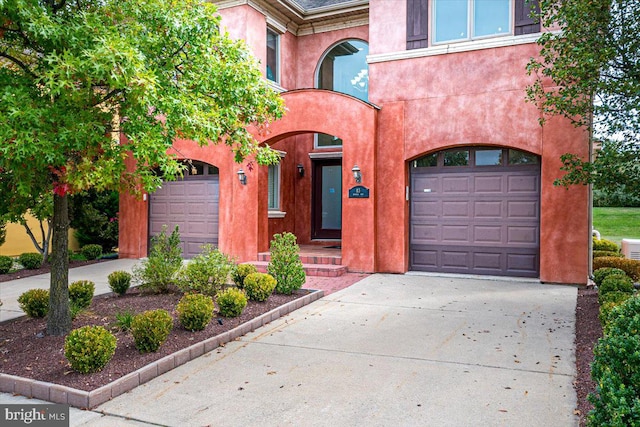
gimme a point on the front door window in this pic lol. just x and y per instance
(327, 200)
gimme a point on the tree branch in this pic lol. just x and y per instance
(19, 63)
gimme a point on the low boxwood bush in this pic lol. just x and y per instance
(150, 329)
(600, 274)
(35, 302)
(241, 271)
(5, 264)
(81, 293)
(30, 260)
(629, 266)
(285, 265)
(92, 251)
(231, 302)
(259, 286)
(599, 254)
(616, 282)
(607, 302)
(616, 369)
(605, 245)
(207, 272)
(89, 349)
(119, 282)
(195, 311)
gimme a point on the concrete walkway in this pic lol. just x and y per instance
(389, 350)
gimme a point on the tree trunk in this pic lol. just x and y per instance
(59, 318)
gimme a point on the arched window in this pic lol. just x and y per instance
(344, 69)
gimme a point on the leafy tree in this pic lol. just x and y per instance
(94, 217)
(78, 77)
(589, 72)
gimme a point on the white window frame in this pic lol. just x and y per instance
(277, 35)
(470, 23)
(276, 170)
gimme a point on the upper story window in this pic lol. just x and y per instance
(344, 69)
(273, 56)
(461, 20)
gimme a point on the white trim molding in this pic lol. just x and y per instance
(326, 155)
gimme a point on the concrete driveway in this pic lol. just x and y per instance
(391, 350)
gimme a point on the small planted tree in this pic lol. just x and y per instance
(158, 271)
(285, 265)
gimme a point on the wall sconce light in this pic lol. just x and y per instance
(300, 170)
(357, 175)
(242, 177)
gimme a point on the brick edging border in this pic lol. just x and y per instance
(56, 393)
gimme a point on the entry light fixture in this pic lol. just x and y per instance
(357, 175)
(300, 170)
(242, 177)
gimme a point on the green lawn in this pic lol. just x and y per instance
(617, 223)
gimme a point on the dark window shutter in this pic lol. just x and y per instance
(416, 24)
(524, 24)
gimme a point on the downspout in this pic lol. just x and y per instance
(590, 201)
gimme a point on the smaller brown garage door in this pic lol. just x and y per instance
(190, 203)
(476, 211)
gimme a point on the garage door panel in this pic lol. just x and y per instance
(193, 206)
(481, 222)
(488, 184)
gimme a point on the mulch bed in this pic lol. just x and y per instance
(26, 351)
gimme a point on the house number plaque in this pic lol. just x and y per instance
(358, 192)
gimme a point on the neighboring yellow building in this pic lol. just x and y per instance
(18, 241)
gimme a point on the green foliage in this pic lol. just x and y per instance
(158, 271)
(92, 251)
(94, 218)
(81, 293)
(35, 302)
(259, 286)
(599, 254)
(616, 282)
(124, 320)
(89, 349)
(617, 197)
(30, 260)
(616, 369)
(5, 264)
(240, 272)
(195, 311)
(600, 274)
(231, 302)
(607, 302)
(207, 272)
(285, 265)
(605, 245)
(151, 329)
(69, 70)
(630, 266)
(3, 232)
(119, 282)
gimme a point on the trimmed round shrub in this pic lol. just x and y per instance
(241, 271)
(207, 272)
(600, 254)
(616, 369)
(91, 252)
(195, 311)
(81, 293)
(605, 245)
(600, 274)
(231, 302)
(616, 282)
(30, 260)
(259, 286)
(119, 282)
(35, 302)
(629, 266)
(89, 349)
(5, 264)
(150, 329)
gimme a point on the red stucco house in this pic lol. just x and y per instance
(425, 101)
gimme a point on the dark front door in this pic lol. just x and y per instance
(326, 210)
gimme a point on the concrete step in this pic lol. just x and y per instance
(308, 259)
(318, 270)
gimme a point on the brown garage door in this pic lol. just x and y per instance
(476, 211)
(192, 205)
